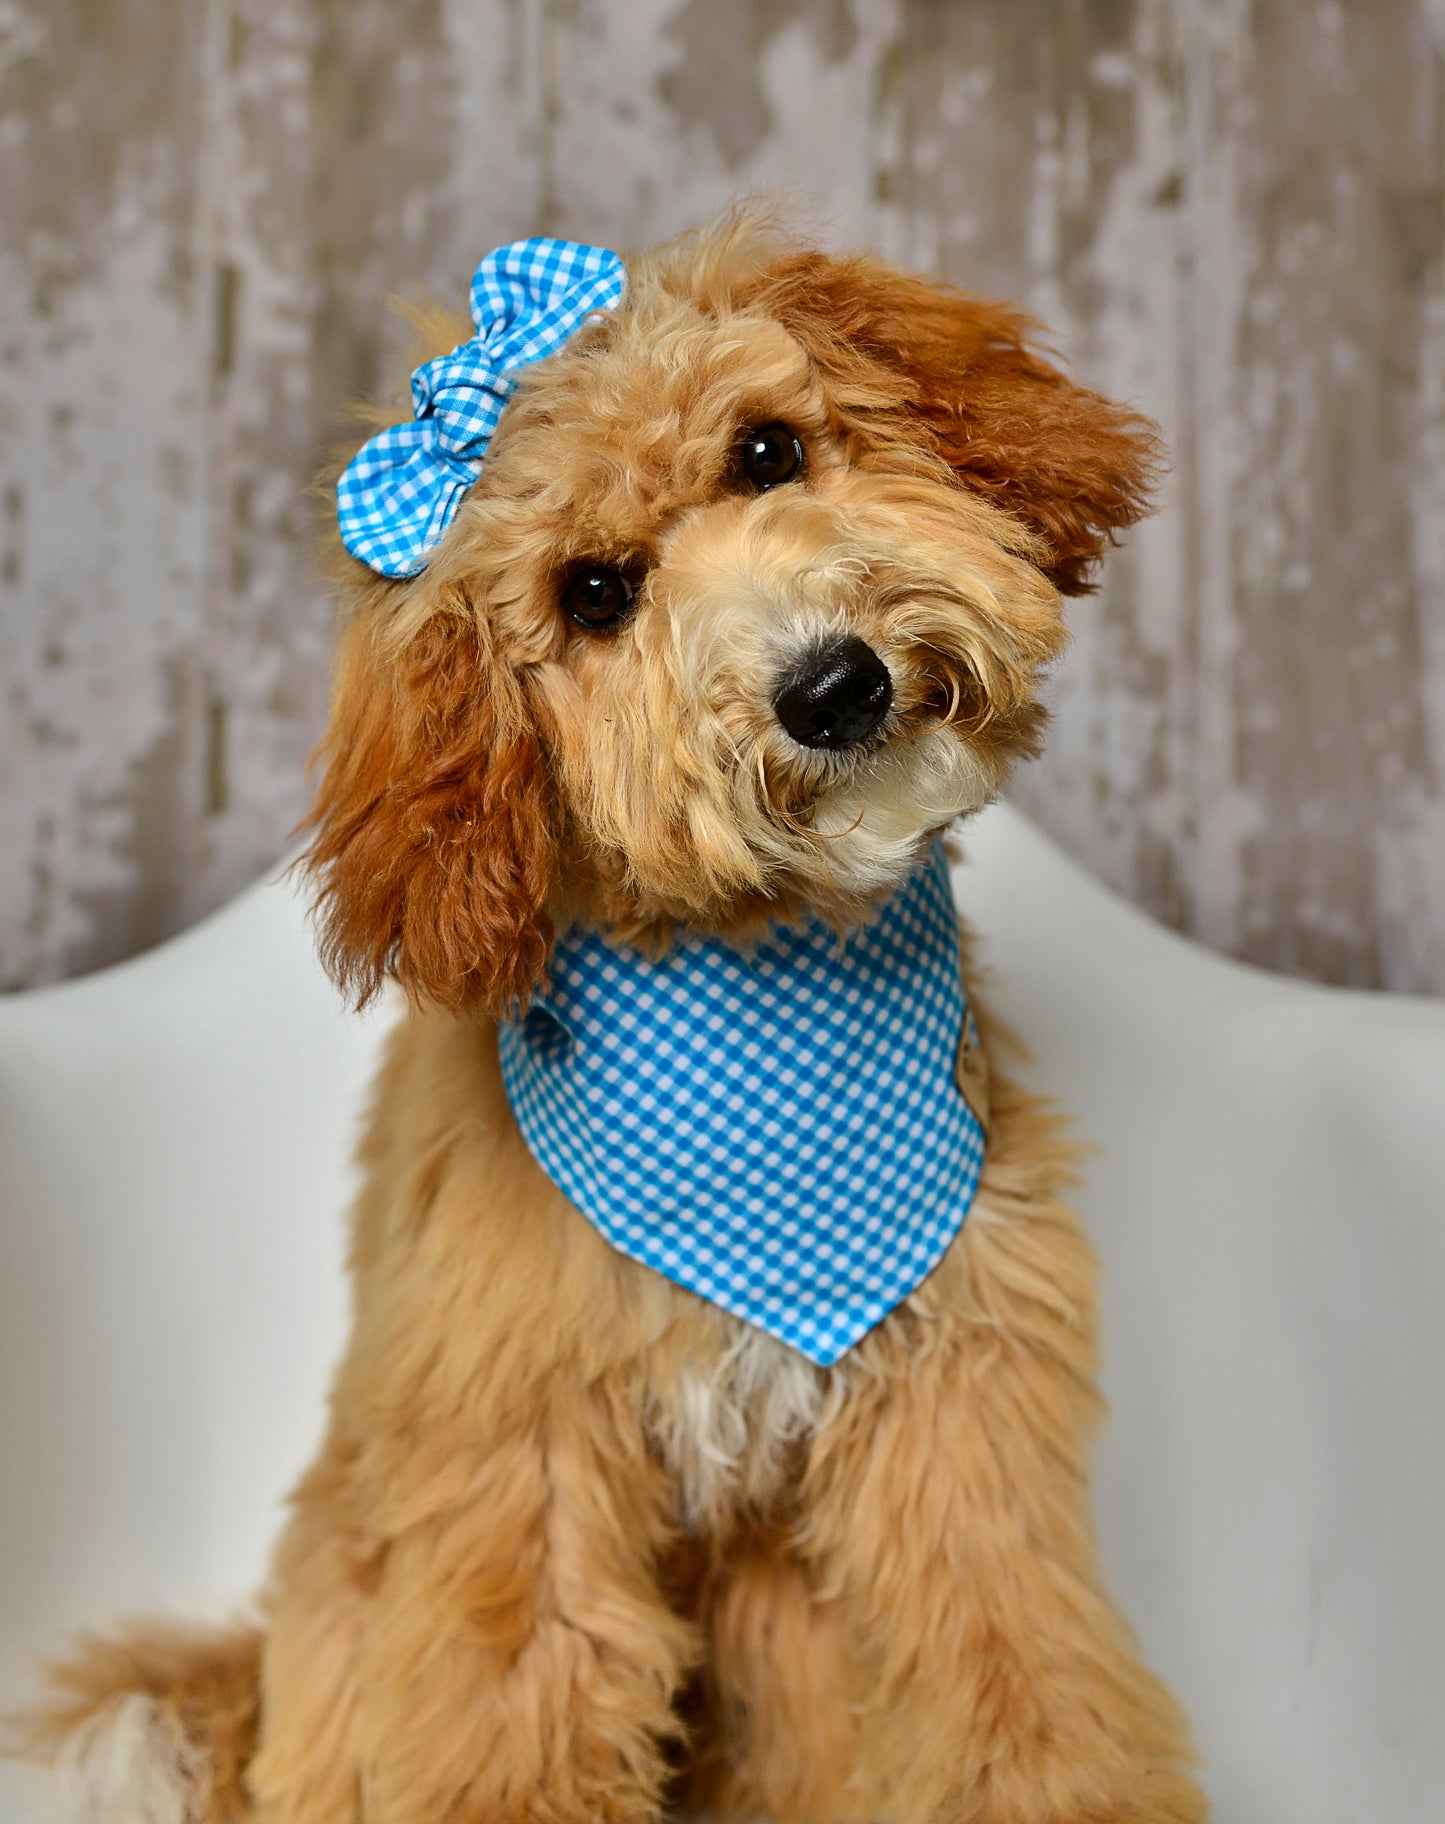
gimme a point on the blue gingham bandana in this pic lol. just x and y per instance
(402, 488)
(780, 1131)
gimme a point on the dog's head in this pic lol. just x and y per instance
(752, 596)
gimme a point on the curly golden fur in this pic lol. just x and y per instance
(579, 1546)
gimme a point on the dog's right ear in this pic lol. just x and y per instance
(1071, 465)
(432, 854)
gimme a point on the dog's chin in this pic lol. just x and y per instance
(870, 829)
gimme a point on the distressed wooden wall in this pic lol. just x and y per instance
(1232, 211)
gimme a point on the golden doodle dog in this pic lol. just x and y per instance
(748, 601)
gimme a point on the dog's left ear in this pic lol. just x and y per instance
(433, 850)
(1072, 465)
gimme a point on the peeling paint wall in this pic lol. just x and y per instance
(1231, 211)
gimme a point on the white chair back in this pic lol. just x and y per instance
(1268, 1200)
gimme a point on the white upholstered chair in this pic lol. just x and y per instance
(1268, 1200)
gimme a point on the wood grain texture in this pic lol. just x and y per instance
(1231, 211)
(1234, 215)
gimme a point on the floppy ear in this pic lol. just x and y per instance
(1069, 463)
(433, 849)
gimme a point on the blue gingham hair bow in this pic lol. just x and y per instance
(402, 488)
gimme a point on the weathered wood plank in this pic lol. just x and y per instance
(665, 110)
(102, 458)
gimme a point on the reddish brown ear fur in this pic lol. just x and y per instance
(1072, 465)
(433, 849)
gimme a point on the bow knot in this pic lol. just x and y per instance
(463, 399)
(402, 489)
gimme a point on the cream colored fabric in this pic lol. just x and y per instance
(1269, 1202)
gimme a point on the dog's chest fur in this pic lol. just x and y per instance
(728, 1430)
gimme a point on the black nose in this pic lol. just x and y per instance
(836, 696)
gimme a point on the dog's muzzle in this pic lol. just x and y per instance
(836, 696)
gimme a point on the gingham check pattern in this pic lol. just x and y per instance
(402, 488)
(779, 1131)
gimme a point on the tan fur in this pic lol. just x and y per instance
(154, 1725)
(578, 1544)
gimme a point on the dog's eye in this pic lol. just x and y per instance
(598, 596)
(770, 455)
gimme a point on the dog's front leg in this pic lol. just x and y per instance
(946, 1509)
(507, 1654)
